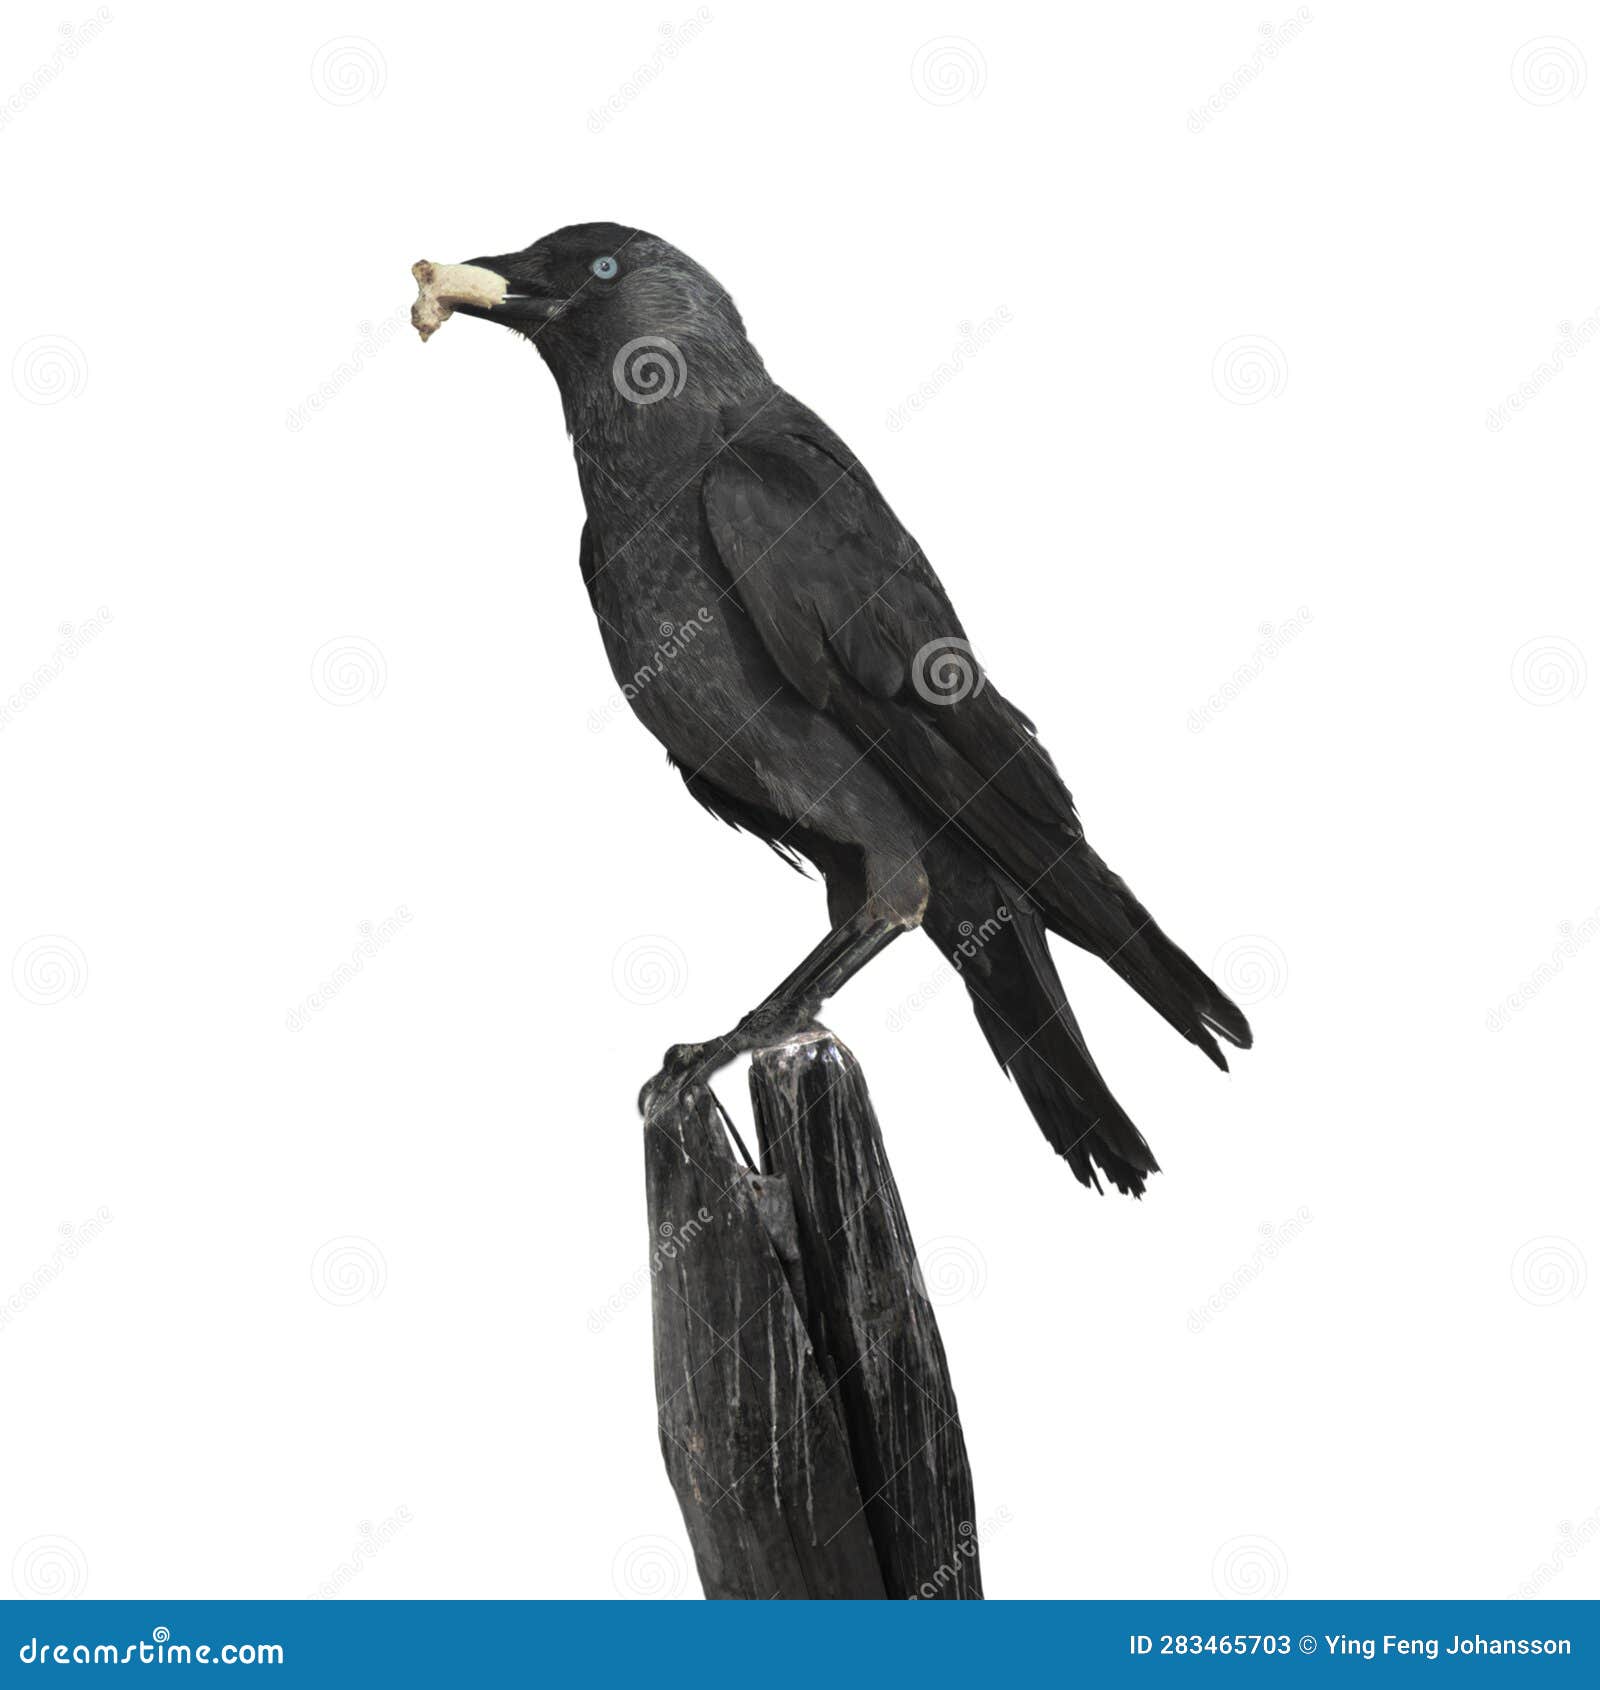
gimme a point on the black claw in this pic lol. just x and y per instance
(679, 1068)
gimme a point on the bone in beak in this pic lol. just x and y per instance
(441, 286)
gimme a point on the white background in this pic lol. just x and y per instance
(1375, 840)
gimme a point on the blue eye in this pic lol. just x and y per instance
(604, 268)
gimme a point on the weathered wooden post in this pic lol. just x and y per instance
(807, 1417)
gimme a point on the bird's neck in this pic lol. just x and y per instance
(654, 409)
(647, 444)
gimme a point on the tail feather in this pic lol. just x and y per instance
(979, 766)
(1023, 1011)
(1087, 902)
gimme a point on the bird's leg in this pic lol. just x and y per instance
(787, 1010)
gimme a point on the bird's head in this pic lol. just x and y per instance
(627, 323)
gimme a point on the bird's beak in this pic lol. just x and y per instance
(525, 303)
(490, 288)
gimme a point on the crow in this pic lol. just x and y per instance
(776, 627)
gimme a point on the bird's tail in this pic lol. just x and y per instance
(998, 943)
(1087, 902)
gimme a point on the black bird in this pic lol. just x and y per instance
(778, 630)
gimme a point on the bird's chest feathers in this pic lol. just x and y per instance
(661, 616)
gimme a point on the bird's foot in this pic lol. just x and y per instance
(681, 1068)
(686, 1066)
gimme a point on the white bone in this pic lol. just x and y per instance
(440, 286)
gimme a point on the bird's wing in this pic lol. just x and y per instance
(858, 624)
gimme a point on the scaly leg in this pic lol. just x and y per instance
(786, 1011)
